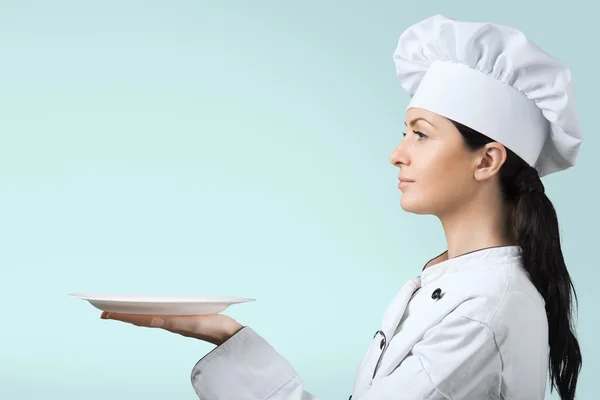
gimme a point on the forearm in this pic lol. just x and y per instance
(246, 367)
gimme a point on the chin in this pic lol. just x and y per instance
(413, 205)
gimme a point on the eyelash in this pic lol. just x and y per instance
(420, 134)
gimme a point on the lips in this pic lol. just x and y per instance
(406, 180)
(403, 182)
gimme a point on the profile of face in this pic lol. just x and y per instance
(438, 172)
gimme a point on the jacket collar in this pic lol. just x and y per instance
(488, 256)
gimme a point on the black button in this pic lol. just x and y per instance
(382, 344)
(350, 398)
(436, 294)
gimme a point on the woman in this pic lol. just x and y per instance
(490, 113)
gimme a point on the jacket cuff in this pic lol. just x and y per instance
(245, 366)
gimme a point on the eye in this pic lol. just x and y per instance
(421, 135)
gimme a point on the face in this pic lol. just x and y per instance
(437, 171)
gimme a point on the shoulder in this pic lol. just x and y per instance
(501, 297)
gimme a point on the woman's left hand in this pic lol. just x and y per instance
(212, 328)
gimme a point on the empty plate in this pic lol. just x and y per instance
(159, 304)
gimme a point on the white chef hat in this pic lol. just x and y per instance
(493, 79)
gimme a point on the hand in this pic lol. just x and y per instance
(212, 328)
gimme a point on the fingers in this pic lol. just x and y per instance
(180, 324)
(135, 319)
(185, 325)
(177, 324)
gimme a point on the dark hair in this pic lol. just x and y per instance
(536, 226)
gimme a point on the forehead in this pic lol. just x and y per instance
(436, 120)
(431, 117)
(436, 124)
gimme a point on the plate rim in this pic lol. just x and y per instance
(214, 300)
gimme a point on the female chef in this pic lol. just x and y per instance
(490, 113)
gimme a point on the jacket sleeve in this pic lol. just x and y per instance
(247, 367)
(458, 359)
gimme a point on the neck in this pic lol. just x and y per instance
(477, 226)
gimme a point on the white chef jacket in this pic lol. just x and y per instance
(469, 327)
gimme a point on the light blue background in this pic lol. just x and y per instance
(232, 148)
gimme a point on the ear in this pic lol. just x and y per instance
(489, 160)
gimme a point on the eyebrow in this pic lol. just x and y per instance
(414, 121)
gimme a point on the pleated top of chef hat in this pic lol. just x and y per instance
(493, 79)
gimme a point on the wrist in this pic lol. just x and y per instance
(230, 328)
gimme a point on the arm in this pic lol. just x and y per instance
(246, 367)
(457, 359)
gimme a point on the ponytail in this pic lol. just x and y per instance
(536, 226)
(538, 236)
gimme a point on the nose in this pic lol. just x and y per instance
(399, 156)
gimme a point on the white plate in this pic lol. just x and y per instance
(159, 304)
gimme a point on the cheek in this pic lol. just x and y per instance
(428, 194)
(440, 184)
